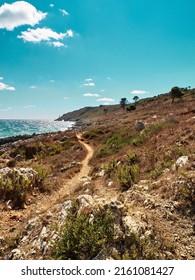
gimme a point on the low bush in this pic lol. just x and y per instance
(42, 174)
(82, 237)
(140, 249)
(126, 173)
(115, 143)
(92, 133)
(131, 108)
(14, 188)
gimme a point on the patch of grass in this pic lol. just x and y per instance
(158, 170)
(179, 151)
(115, 143)
(154, 129)
(82, 237)
(137, 141)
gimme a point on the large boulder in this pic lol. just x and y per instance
(139, 125)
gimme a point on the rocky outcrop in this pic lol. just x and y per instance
(149, 220)
(14, 185)
(26, 174)
(40, 234)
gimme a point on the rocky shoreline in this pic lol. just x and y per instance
(11, 139)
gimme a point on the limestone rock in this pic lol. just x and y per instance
(85, 200)
(181, 161)
(133, 226)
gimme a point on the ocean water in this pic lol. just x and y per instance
(21, 127)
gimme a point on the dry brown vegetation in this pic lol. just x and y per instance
(139, 166)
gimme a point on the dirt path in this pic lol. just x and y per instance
(72, 184)
(14, 220)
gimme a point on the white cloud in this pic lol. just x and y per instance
(52, 81)
(6, 87)
(102, 90)
(91, 94)
(41, 34)
(108, 78)
(1, 78)
(58, 44)
(69, 33)
(65, 98)
(6, 109)
(89, 84)
(64, 12)
(19, 13)
(30, 106)
(138, 91)
(33, 87)
(51, 5)
(105, 99)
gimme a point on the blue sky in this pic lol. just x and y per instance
(57, 56)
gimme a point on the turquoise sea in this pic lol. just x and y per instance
(21, 127)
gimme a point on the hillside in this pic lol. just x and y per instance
(86, 113)
(89, 113)
(129, 193)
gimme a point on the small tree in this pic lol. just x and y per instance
(105, 111)
(176, 93)
(136, 98)
(123, 102)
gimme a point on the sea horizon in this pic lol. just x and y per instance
(19, 127)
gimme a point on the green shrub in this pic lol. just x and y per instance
(132, 158)
(136, 141)
(113, 144)
(127, 175)
(140, 249)
(42, 174)
(28, 151)
(81, 237)
(110, 168)
(92, 133)
(55, 148)
(131, 108)
(14, 188)
(160, 167)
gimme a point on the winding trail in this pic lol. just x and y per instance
(71, 185)
(48, 202)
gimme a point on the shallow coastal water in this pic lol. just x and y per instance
(10, 128)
